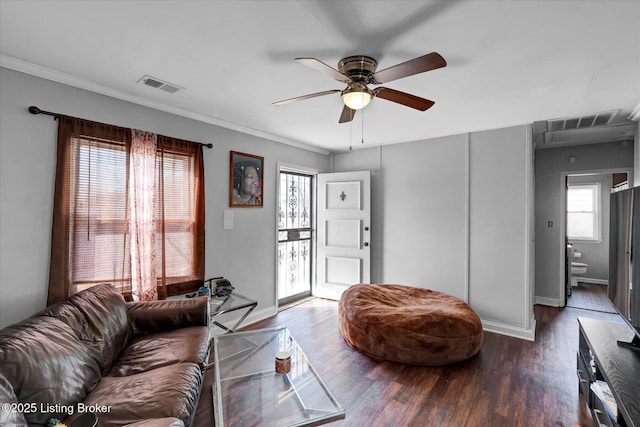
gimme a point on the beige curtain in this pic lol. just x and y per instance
(142, 216)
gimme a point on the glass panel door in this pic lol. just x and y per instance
(294, 236)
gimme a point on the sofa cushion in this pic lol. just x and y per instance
(158, 422)
(152, 351)
(168, 391)
(33, 355)
(147, 317)
(98, 315)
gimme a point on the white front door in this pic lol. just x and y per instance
(344, 232)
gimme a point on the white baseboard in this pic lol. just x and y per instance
(509, 330)
(590, 280)
(258, 315)
(552, 302)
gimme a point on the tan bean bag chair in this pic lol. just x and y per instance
(408, 325)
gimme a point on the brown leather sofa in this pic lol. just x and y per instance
(139, 363)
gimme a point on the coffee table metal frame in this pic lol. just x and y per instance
(256, 344)
(233, 302)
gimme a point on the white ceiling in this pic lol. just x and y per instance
(509, 62)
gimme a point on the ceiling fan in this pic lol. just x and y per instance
(359, 71)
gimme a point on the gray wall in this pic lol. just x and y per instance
(550, 165)
(452, 214)
(411, 189)
(27, 165)
(501, 218)
(596, 254)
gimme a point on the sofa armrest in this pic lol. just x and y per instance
(155, 316)
(9, 415)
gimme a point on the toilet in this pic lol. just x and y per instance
(577, 268)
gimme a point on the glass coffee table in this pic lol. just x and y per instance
(248, 392)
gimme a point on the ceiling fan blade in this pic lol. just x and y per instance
(311, 95)
(427, 62)
(403, 98)
(324, 68)
(347, 115)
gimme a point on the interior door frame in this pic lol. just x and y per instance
(563, 217)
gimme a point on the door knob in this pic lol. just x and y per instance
(366, 244)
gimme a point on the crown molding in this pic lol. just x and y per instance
(77, 82)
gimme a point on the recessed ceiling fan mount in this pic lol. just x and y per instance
(358, 67)
(359, 71)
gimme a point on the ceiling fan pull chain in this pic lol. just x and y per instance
(350, 133)
(362, 134)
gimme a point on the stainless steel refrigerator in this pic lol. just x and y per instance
(624, 250)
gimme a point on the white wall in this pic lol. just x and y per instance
(501, 179)
(452, 216)
(246, 254)
(424, 214)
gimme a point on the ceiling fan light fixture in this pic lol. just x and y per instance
(356, 96)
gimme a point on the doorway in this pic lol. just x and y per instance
(586, 236)
(344, 232)
(321, 264)
(295, 235)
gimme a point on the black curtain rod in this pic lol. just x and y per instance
(35, 110)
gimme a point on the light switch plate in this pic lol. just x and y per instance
(228, 219)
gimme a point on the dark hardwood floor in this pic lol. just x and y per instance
(511, 382)
(590, 296)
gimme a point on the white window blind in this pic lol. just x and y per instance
(98, 209)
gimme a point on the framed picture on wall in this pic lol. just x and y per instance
(246, 173)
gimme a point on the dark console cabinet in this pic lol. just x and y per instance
(601, 360)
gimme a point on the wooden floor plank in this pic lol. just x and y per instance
(511, 382)
(590, 296)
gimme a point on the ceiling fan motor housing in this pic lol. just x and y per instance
(358, 68)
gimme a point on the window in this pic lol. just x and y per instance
(97, 229)
(97, 212)
(583, 212)
(100, 214)
(179, 216)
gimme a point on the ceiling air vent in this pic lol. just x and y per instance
(606, 126)
(160, 84)
(599, 119)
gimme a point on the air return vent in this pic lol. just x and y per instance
(160, 84)
(599, 119)
(606, 126)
